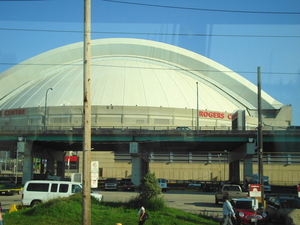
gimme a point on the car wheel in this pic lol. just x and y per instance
(34, 203)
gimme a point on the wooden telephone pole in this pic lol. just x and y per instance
(86, 196)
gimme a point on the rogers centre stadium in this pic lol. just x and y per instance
(136, 85)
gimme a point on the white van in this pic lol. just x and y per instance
(162, 182)
(37, 191)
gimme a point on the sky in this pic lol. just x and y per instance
(241, 35)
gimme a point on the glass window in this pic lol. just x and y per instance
(38, 187)
(54, 187)
(76, 188)
(63, 188)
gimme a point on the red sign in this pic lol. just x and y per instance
(299, 190)
(72, 158)
(217, 115)
(255, 190)
(13, 112)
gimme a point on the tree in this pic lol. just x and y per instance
(149, 187)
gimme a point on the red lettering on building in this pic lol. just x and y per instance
(216, 115)
(14, 112)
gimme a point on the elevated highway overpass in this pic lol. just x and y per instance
(201, 145)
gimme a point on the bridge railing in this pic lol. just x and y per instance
(152, 128)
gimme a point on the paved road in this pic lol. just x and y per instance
(8, 200)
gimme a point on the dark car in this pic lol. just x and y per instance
(279, 208)
(128, 186)
(6, 180)
(183, 128)
(246, 211)
(10, 189)
(111, 184)
(209, 187)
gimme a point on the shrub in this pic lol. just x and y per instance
(149, 187)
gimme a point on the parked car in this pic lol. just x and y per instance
(194, 184)
(124, 180)
(183, 128)
(279, 208)
(209, 187)
(37, 191)
(128, 186)
(6, 180)
(111, 184)
(162, 182)
(247, 211)
(10, 189)
(230, 191)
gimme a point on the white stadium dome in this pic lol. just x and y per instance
(129, 72)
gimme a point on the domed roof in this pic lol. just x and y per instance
(129, 72)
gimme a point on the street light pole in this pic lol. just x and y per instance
(16, 166)
(220, 165)
(197, 124)
(45, 113)
(260, 151)
(224, 163)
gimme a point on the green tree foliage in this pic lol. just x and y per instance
(149, 187)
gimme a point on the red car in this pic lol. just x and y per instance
(245, 212)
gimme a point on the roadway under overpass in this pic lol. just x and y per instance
(140, 144)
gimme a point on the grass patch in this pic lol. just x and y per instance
(68, 211)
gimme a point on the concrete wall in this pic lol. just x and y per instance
(123, 116)
(278, 174)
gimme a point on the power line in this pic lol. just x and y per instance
(149, 68)
(158, 34)
(199, 9)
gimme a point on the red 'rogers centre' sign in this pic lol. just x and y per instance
(217, 115)
(13, 112)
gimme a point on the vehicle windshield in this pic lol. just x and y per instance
(231, 188)
(243, 205)
(76, 188)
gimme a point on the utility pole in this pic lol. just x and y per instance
(260, 152)
(197, 124)
(86, 195)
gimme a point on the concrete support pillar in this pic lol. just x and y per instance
(136, 169)
(61, 169)
(50, 165)
(248, 167)
(27, 169)
(139, 163)
(234, 171)
(246, 153)
(24, 148)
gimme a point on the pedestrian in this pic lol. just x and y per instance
(227, 212)
(142, 215)
(1, 218)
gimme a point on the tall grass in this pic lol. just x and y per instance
(68, 211)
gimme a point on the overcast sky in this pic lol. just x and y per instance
(240, 35)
